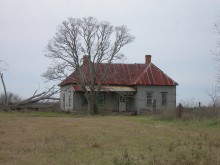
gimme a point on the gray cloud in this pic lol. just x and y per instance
(178, 34)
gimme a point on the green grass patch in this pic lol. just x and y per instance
(44, 138)
(215, 122)
(34, 114)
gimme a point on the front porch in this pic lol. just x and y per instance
(110, 98)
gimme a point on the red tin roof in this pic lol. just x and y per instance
(128, 75)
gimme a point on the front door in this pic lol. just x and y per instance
(122, 103)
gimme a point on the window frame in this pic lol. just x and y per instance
(122, 98)
(149, 98)
(164, 99)
(100, 99)
(64, 100)
(84, 101)
(69, 98)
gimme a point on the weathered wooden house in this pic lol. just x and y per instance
(131, 87)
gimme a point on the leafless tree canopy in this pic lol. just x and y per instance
(11, 101)
(213, 93)
(15, 102)
(12, 98)
(217, 52)
(98, 40)
(217, 27)
(3, 66)
(88, 36)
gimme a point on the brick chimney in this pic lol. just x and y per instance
(147, 59)
(85, 59)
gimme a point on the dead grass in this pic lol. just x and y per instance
(99, 140)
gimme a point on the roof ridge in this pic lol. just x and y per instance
(138, 78)
(123, 63)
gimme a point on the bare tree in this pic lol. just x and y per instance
(217, 53)
(3, 68)
(217, 28)
(13, 98)
(14, 101)
(3, 65)
(5, 91)
(36, 98)
(98, 41)
(213, 93)
(11, 101)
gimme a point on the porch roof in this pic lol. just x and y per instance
(107, 89)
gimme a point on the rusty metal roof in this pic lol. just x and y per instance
(128, 75)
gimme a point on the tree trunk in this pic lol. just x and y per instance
(90, 107)
(5, 91)
(91, 103)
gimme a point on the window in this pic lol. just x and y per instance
(164, 98)
(122, 98)
(149, 98)
(84, 101)
(69, 96)
(63, 101)
(100, 99)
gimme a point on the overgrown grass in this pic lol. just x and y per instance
(198, 123)
(35, 114)
(27, 138)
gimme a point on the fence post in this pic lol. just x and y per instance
(179, 111)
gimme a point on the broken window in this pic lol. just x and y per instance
(149, 98)
(69, 98)
(164, 98)
(63, 101)
(122, 98)
(84, 101)
(100, 99)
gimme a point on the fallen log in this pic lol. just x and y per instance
(34, 101)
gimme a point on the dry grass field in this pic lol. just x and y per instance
(51, 138)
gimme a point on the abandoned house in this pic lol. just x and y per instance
(131, 87)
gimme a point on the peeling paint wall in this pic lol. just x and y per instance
(73, 101)
(141, 97)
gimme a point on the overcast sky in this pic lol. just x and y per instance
(179, 34)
